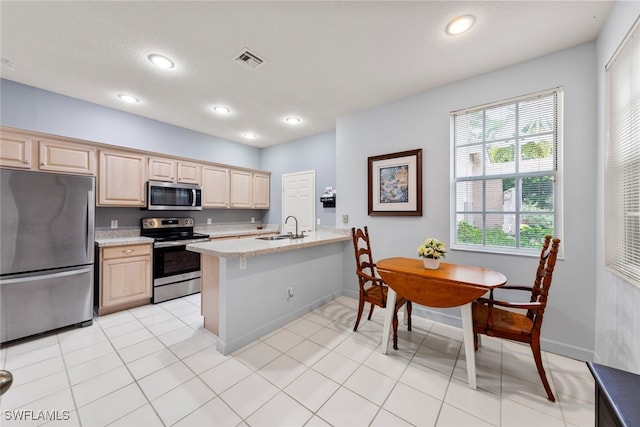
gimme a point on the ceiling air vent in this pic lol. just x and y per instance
(249, 59)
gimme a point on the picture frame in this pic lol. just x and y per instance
(395, 184)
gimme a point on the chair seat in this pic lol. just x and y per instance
(373, 293)
(505, 321)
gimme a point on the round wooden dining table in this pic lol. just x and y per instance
(451, 285)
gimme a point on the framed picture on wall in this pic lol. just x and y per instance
(395, 184)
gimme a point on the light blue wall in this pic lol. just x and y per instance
(316, 153)
(618, 302)
(27, 107)
(422, 121)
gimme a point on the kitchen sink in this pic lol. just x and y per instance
(278, 237)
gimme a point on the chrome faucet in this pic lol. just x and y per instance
(295, 236)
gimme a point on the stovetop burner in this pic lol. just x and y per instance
(170, 229)
(178, 236)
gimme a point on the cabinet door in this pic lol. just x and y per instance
(125, 277)
(161, 169)
(59, 156)
(122, 178)
(189, 173)
(241, 189)
(15, 150)
(215, 187)
(126, 280)
(260, 191)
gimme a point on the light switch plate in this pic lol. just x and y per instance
(114, 223)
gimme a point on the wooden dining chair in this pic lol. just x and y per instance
(506, 323)
(372, 288)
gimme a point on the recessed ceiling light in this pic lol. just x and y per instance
(128, 98)
(293, 120)
(221, 109)
(460, 24)
(160, 61)
(250, 135)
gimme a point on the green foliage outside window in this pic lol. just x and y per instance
(531, 235)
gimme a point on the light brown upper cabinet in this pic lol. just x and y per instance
(173, 170)
(60, 156)
(18, 150)
(215, 187)
(122, 178)
(241, 189)
(261, 190)
(249, 189)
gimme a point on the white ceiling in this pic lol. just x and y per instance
(323, 59)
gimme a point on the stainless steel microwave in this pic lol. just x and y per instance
(169, 196)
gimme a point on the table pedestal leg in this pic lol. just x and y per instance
(467, 330)
(388, 318)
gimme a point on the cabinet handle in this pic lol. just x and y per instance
(127, 251)
(43, 164)
(26, 162)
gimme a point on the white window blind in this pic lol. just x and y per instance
(505, 173)
(622, 168)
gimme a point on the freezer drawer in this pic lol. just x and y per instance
(39, 302)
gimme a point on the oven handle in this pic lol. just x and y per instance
(178, 243)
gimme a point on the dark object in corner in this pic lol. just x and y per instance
(616, 396)
(328, 201)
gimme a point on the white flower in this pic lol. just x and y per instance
(432, 248)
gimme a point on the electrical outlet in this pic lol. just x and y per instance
(253, 220)
(345, 218)
(318, 221)
(114, 223)
(243, 263)
(208, 221)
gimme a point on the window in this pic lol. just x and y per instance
(622, 167)
(505, 173)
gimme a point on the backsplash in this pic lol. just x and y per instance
(129, 218)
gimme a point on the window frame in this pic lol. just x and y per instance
(622, 249)
(556, 172)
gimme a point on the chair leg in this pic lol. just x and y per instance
(371, 311)
(476, 341)
(409, 309)
(535, 349)
(395, 331)
(360, 309)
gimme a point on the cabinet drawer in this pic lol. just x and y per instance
(125, 251)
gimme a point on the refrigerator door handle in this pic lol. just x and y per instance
(91, 207)
(40, 276)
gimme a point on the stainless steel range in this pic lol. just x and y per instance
(176, 271)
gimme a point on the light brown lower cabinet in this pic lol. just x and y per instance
(125, 277)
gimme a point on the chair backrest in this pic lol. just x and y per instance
(362, 249)
(544, 275)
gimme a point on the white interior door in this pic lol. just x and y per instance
(299, 200)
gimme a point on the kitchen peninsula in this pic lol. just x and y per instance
(251, 287)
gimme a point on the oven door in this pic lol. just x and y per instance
(176, 260)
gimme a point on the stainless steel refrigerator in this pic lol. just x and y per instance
(46, 252)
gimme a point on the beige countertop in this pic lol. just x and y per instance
(241, 248)
(122, 241)
(132, 236)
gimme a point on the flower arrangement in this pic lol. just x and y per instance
(432, 248)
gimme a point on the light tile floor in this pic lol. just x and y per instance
(157, 366)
